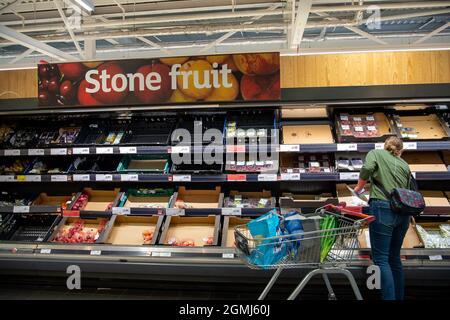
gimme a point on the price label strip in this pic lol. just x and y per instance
(33, 178)
(35, 152)
(228, 255)
(175, 212)
(46, 251)
(58, 178)
(129, 177)
(289, 148)
(290, 176)
(121, 211)
(127, 150)
(181, 178)
(95, 253)
(21, 209)
(58, 152)
(103, 177)
(231, 211)
(410, 145)
(181, 149)
(348, 175)
(15, 152)
(80, 151)
(81, 177)
(267, 177)
(7, 178)
(104, 150)
(347, 147)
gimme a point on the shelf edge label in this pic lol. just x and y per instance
(36, 152)
(14, 152)
(181, 178)
(129, 177)
(121, 210)
(348, 175)
(175, 212)
(347, 147)
(127, 150)
(58, 151)
(231, 211)
(21, 209)
(289, 147)
(81, 177)
(80, 151)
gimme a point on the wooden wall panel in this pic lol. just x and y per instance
(359, 69)
(18, 84)
(363, 69)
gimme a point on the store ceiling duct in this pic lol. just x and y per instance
(87, 5)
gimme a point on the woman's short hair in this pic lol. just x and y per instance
(394, 145)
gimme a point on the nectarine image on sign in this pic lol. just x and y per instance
(214, 78)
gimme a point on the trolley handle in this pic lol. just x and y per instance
(343, 210)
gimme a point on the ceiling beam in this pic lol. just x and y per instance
(69, 27)
(25, 54)
(10, 6)
(433, 33)
(31, 43)
(299, 24)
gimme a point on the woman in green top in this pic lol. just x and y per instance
(388, 230)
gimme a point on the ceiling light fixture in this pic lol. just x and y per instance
(85, 4)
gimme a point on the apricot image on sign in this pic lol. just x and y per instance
(227, 77)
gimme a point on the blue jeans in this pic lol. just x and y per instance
(386, 238)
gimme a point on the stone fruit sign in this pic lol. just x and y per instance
(215, 78)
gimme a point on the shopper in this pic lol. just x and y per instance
(388, 230)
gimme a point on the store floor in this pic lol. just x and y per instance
(190, 291)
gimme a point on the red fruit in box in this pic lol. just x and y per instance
(160, 95)
(72, 71)
(43, 98)
(260, 87)
(111, 97)
(84, 98)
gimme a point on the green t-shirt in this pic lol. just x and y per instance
(390, 171)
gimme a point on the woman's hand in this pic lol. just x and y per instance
(360, 186)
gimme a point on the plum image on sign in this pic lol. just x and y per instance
(215, 78)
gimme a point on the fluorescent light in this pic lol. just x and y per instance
(86, 4)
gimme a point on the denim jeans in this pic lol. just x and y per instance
(386, 237)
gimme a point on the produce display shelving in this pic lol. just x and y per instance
(134, 261)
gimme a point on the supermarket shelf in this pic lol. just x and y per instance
(304, 148)
(250, 177)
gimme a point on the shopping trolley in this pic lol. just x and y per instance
(328, 250)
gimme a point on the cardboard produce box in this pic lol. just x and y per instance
(77, 230)
(412, 239)
(435, 198)
(145, 164)
(307, 202)
(45, 200)
(147, 198)
(427, 127)
(193, 198)
(266, 196)
(96, 200)
(307, 134)
(134, 230)
(229, 223)
(304, 112)
(195, 231)
(424, 161)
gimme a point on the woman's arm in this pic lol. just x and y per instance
(360, 186)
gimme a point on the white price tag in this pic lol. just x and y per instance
(290, 176)
(21, 209)
(231, 211)
(58, 151)
(359, 129)
(35, 152)
(181, 149)
(81, 177)
(121, 210)
(15, 152)
(80, 151)
(289, 147)
(435, 257)
(267, 177)
(58, 178)
(348, 175)
(104, 150)
(228, 255)
(379, 146)
(161, 254)
(127, 150)
(371, 128)
(33, 178)
(410, 145)
(95, 253)
(181, 178)
(175, 212)
(129, 177)
(7, 178)
(103, 177)
(46, 251)
(347, 147)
